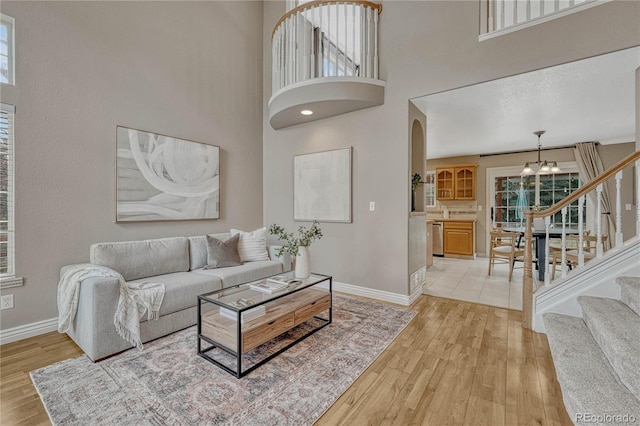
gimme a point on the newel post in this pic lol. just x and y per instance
(527, 281)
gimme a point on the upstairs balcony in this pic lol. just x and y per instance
(498, 17)
(325, 61)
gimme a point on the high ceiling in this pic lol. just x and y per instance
(588, 100)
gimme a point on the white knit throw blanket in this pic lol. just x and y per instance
(135, 299)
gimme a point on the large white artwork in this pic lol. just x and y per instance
(322, 186)
(165, 178)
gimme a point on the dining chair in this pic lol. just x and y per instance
(571, 252)
(504, 249)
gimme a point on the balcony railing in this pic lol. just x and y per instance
(503, 16)
(327, 38)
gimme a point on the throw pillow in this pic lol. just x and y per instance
(252, 245)
(221, 254)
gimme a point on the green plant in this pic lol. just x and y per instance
(292, 243)
(416, 180)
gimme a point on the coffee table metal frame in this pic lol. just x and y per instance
(237, 353)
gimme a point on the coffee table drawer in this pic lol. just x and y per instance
(304, 313)
(268, 331)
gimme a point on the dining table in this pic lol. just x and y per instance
(540, 236)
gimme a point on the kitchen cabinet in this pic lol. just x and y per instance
(459, 238)
(456, 182)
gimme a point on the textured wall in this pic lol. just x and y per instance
(186, 69)
(425, 47)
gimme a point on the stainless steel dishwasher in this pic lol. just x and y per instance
(438, 239)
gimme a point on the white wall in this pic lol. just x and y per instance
(186, 69)
(425, 47)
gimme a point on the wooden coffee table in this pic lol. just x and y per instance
(268, 315)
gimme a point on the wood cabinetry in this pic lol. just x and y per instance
(459, 238)
(456, 182)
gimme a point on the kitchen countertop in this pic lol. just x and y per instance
(454, 220)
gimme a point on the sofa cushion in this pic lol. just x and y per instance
(222, 254)
(139, 259)
(182, 289)
(252, 245)
(248, 272)
(198, 249)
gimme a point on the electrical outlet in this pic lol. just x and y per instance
(372, 206)
(6, 302)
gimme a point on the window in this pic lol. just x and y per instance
(515, 194)
(6, 49)
(430, 189)
(6, 192)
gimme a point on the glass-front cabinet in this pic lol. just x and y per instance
(444, 184)
(456, 182)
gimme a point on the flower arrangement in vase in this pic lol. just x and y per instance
(298, 246)
(416, 180)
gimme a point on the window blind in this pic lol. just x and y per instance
(7, 244)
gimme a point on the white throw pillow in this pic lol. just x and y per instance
(252, 245)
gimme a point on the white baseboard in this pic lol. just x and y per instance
(385, 296)
(46, 326)
(28, 330)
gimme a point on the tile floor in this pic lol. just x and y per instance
(467, 280)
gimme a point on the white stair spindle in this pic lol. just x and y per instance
(337, 66)
(599, 248)
(296, 48)
(362, 53)
(515, 12)
(563, 245)
(375, 44)
(547, 274)
(346, 38)
(581, 231)
(619, 237)
(370, 43)
(274, 51)
(353, 40)
(501, 26)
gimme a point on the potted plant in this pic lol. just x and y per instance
(298, 246)
(416, 180)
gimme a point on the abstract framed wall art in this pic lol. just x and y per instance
(322, 186)
(165, 178)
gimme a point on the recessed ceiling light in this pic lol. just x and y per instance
(306, 112)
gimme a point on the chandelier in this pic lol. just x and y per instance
(541, 167)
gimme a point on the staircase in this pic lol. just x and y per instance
(597, 357)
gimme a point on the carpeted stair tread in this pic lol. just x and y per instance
(630, 295)
(616, 329)
(588, 383)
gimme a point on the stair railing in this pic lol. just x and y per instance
(325, 38)
(580, 194)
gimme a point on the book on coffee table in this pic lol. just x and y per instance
(269, 286)
(246, 316)
(283, 280)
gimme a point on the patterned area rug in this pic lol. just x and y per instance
(168, 384)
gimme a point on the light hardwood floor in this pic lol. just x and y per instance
(456, 363)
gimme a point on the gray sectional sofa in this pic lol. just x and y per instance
(177, 263)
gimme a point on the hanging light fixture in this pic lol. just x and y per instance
(541, 167)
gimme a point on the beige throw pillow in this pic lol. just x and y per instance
(252, 245)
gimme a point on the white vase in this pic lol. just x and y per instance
(303, 263)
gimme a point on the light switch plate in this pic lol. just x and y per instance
(372, 206)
